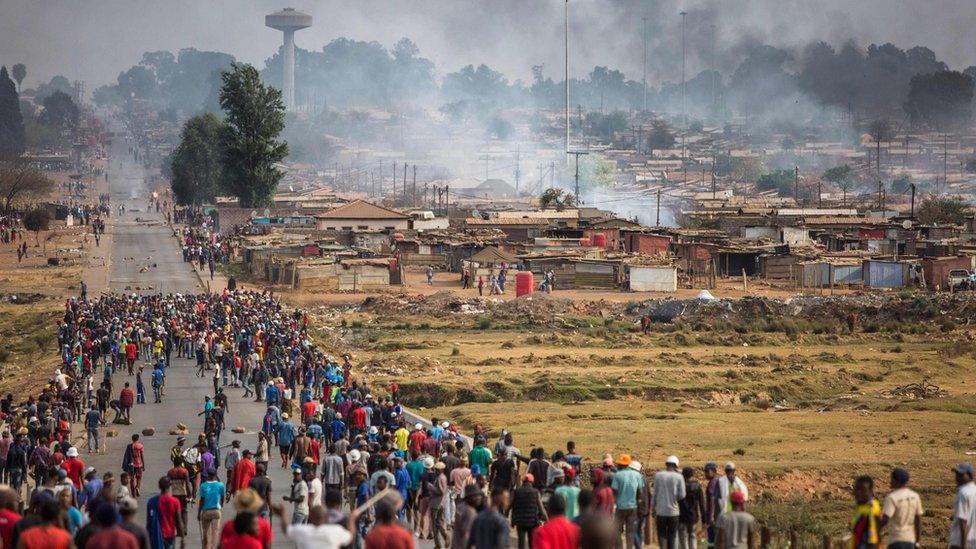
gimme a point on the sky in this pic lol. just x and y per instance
(93, 40)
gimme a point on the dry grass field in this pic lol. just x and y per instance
(800, 402)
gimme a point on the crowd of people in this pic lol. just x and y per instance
(364, 471)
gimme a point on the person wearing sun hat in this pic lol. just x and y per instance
(248, 501)
(627, 483)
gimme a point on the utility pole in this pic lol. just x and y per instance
(912, 215)
(577, 155)
(414, 185)
(644, 61)
(713, 176)
(404, 182)
(945, 161)
(820, 194)
(683, 114)
(657, 221)
(713, 67)
(567, 77)
(518, 171)
(880, 204)
(796, 185)
(380, 178)
(552, 174)
(394, 182)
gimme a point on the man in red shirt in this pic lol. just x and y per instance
(133, 463)
(417, 438)
(130, 355)
(308, 411)
(8, 517)
(74, 467)
(127, 397)
(387, 533)
(242, 473)
(358, 421)
(170, 514)
(557, 532)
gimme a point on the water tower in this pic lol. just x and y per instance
(288, 21)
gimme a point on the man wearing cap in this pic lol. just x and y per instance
(626, 485)
(962, 533)
(471, 503)
(736, 527)
(711, 489)
(212, 493)
(286, 436)
(527, 510)
(232, 457)
(669, 489)
(902, 512)
(727, 485)
(298, 497)
(74, 467)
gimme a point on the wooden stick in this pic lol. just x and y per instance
(372, 501)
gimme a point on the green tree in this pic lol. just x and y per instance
(19, 183)
(255, 118)
(948, 210)
(11, 121)
(195, 165)
(37, 220)
(60, 112)
(781, 181)
(902, 183)
(942, 100)
(839, 176)
(660, 136)
(19, 72)
(556, 198)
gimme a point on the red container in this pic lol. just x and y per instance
(585, 242)
(600, 240)
(524, 283)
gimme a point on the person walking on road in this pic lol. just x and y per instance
(212, 495)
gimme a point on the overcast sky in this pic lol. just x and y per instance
(94, 40)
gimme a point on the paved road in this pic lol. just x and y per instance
(146, 239)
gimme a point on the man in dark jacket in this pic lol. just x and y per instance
(527, 511)
(692, 508)
(471, 504)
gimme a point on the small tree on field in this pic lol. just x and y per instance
(951, 210)
(37, 220)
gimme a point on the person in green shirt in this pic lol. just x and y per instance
(566, 490)
(415, 467)
(480, 456)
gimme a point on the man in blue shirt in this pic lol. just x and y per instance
(157, 383)
(93, 419)
(212, 493)
(286, 435)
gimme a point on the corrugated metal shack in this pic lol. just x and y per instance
(886, 274)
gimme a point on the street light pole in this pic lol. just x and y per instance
(644, 59)
(566, 20)
(683, 115)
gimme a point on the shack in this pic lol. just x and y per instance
(489, 261)
(936, 270)
(653, 278)
(886, 274)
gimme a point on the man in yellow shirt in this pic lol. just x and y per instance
(400, 437)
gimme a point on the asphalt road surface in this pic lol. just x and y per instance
(142, 241)
(145, 258)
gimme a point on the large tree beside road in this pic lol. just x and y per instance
(195, 164)
(11, 120)
(255, 117)
(20, 184)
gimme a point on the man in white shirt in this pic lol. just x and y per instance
(298, 497)
(962, 534)
(727, 485)
(902, 513)
(317, 534)
(669, 489)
